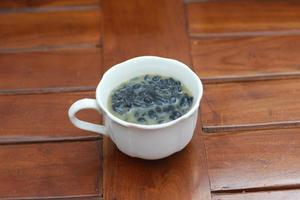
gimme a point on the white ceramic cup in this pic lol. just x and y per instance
(136, 140)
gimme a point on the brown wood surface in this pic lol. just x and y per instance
(48, 29)
(274, 195)
(51, 54)
(6, 4)
(48, 46)
(134, 28)
(264, 57)
(50, 169)
(254, 159)
(251, 105)
(28, 118)
(50, 69)
(180, 176)
(234, 17)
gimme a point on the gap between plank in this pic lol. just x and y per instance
(256, 189)
(34, 140)
(46, 90)
(100, 171)
(251, 127)
(244, 34)
(50, 9)
(51, 48)
(256, 77)
(99, 197)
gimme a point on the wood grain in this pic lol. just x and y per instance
(180, 176)
(51, 69)
(8, 4)
(134, 28)
(274, 195)
(247, 17)
(244, 58)
(48, 29)
(255, 159)
(50, 170)
(251, 105)
(29, 118)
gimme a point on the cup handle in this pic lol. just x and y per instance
(81, 105)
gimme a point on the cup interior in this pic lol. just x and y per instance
(138, 66)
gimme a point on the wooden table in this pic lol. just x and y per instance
(247, 141)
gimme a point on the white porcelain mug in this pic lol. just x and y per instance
(136, 140)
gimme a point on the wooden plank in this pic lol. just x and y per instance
(251, 105)
(51, 69)
(134, 28)
(50, 170)
(255, 159)
(180, 176)
(36, 118)
(248, 17)
(8, 4)
(272, 195)
(48, 29)
(244, 58)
